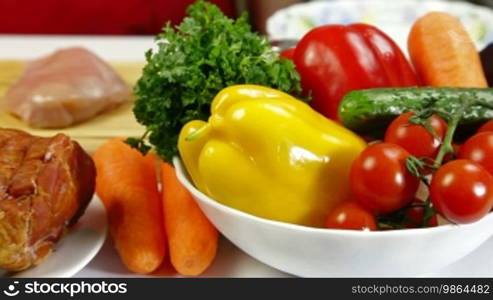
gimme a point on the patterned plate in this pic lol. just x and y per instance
(393, 17)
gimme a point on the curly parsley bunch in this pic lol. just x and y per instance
(193, 62)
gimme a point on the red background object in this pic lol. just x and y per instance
(94, 16)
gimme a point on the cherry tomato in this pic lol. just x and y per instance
(351, 215)
(416, 139)
(379, 179)
(462, 191)
(479, 148)
(415, 216)
(488, 126)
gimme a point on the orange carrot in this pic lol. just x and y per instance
(126, 183)
(192, 239)
(443, 54)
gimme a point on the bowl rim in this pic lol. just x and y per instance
(183, 177)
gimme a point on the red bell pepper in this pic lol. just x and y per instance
(288, 53)
(335, 59)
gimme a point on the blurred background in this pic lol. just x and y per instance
(123, 17)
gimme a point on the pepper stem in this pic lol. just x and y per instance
(198, 133)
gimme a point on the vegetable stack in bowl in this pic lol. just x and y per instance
(281, 176)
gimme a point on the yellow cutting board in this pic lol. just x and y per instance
(92, 133)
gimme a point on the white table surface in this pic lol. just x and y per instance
(230, 261)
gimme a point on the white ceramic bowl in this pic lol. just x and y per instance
(317, 252)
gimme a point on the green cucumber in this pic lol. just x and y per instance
(369, 112)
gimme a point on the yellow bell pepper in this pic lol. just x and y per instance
(270, 155)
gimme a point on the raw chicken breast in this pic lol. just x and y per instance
(64, 88)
